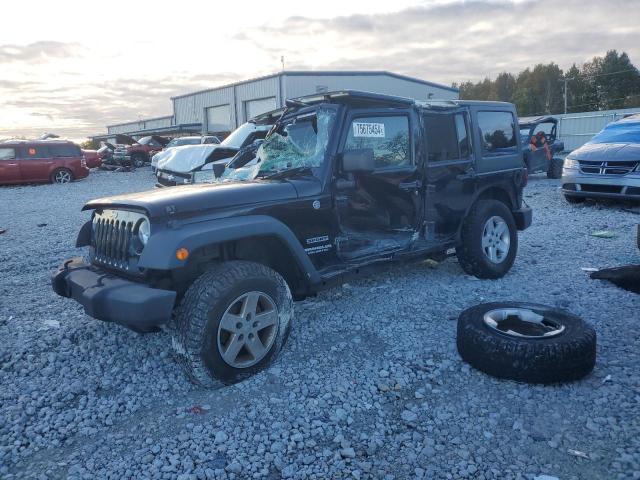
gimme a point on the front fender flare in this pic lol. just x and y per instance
(159, 253)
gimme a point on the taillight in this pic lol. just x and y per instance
(525, 177)
(83, 162)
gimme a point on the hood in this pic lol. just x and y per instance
(189, 157)
(199, 197)
(607, 151)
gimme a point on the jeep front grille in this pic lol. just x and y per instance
(607, 167)
(113, 237)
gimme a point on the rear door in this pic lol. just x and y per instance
(450, 173)
(35, 163)
(9, 168)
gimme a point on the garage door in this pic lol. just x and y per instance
(253, 108)
(219, 119)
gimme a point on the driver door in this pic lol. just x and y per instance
(379, 210)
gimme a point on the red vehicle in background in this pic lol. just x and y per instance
(27, 161)
(92, 158)
(141, 151)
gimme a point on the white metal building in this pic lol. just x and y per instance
(222, 109)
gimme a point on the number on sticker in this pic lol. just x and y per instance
(375, 130)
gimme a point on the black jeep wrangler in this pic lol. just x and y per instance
(343, 180)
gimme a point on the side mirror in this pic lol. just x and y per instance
(218, 169)
(361, 160)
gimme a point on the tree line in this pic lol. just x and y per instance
(604, 83)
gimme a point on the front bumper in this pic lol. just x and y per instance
(600, 186)
(108, 297)
(523, 217)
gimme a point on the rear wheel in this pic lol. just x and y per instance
(489, 240)
(62, 175)
(555, 168)
(232, 322)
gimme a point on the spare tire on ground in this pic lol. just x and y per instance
(526, 342)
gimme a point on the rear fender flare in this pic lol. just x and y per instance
(160, 251)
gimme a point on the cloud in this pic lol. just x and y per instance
(456, 41)
(76, 91)
(80, 109)
(38, 52)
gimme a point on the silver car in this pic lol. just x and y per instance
(608, 166)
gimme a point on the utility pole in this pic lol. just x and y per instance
(282, 61)
(566, 82)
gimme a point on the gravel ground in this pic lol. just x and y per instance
(369, 385)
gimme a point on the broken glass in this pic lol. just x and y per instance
(299, 142)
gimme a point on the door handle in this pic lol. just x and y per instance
(410, 185)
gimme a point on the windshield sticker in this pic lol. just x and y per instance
(323, 238)
(375, 130)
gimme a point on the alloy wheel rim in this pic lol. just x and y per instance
(63, 177)
(522, 323)
(247, 329)
(496, 239)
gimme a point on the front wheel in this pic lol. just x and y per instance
(489, 240)
(138, 161)
(232, 322)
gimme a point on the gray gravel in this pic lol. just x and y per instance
(369, 385)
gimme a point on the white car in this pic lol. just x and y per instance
(176, 165)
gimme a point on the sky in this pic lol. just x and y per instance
(73, 67)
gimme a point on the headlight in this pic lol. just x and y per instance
(144, 230)
(570, 163)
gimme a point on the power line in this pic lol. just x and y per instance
(586, 104)
(610, 73)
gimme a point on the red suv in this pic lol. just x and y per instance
(25, 161)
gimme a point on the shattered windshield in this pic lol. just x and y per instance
(298, 143)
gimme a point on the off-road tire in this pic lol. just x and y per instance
(555, 168)
(573, 198)
(194, 327)
(57, 174)
(470, 254)
(569, 356)
(138, 160)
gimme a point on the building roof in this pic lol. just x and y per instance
(302, 73)
(141, 120)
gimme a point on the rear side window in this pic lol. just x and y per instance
(497, 133)
(7, 153)
(62, 151)
(387, 136)
(447, 137)
(35, 151)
